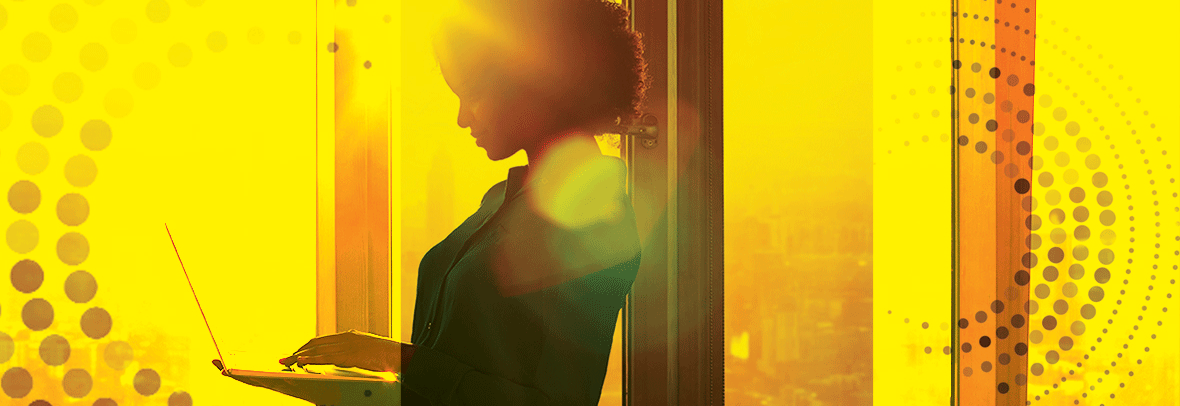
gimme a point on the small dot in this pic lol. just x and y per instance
(255, 35)
(158, 11)
(180, 55)
(216, 41)
(368, 64)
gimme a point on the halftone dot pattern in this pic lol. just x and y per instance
(147, 75)
(118, 354)
(67, 86)
(146, 382)
(22, 236)
(158, 11)
(255, 35)
(27, 276)
(24, 197)
(14, 79)
(216, 41)
(37, 47)
(73, 248)
(47, 121)
(17, 382)
(93, 56)
(180, 55)
(118, 103)
(73, 209)
(80, 171)
(180, 398)
(63, 17)
(37, 314)
(96, 135)
(77, 383)
(123, 31)
(96, 323)
(32, 158)
(7, 347)
(55, 350)
(81, 286)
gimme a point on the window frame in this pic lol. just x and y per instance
(674, 317)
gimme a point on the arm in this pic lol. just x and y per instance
(446, 381)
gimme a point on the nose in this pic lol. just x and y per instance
(465, 115)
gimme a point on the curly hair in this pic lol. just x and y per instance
(581, 55)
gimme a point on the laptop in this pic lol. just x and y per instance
(327, 386)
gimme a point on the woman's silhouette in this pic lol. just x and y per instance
(518, 305)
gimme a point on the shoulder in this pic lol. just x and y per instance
(495, 190)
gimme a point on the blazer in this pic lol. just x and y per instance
(518, 305)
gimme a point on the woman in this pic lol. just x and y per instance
(518, 305)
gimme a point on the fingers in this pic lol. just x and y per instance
(329, 339)
(326, 359)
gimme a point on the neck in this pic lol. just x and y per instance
(562, 150)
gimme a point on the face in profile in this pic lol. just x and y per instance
(502, 117)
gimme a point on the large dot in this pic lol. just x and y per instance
(63, 17)
(73, 248)
(24, 196)
(1059, 114)
(55, 350)
(17, 382)
(123, 30)
(27, 276)
(7, 347)
(105, 402)
(118, 103)
(80, 171)
(96, 135)
(1088, 311)
(73, 209)
(22, 236)
(14, 79)
(37, 314)
(1072, 128)
(67, 87)
(180, 55)
(118, 354)
(47, 121)
(93, 56)
(216, 41)
(146, 382)
(147, 75)
(180, 398)
(37, 46)
(77, 383)
(81, 287)
(294, 37)
(96, 323)
(158, 11)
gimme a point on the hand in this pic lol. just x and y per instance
(352, 349)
